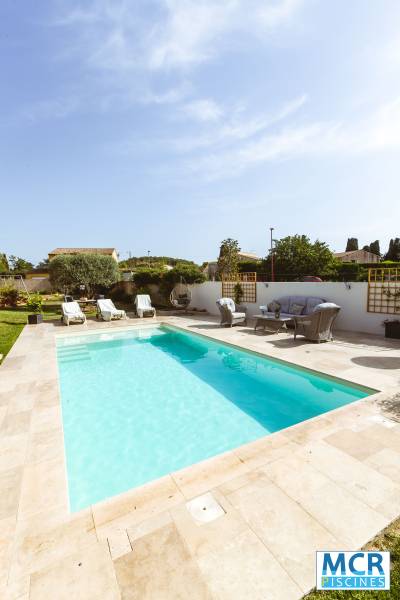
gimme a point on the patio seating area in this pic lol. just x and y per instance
(329, 482)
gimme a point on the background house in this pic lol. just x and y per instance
(106, 251)
(357, 256)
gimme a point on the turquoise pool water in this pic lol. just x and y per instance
(138, 404)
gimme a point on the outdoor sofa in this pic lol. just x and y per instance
(313, 316)
(289, 306)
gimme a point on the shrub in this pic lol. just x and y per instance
(35, 303)
(94, 271)
(187, 273)
(238, 293)
(148, 275)
(9, 295)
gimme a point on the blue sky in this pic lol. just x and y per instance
(169, 125)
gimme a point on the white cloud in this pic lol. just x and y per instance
(379, 131)
(237, 127)
(272, 14)
(122, 35)
(203, 110)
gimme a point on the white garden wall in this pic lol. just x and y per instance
(353, 301)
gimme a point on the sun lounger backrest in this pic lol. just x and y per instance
(143, 301)
(106, 304)
(71, 308)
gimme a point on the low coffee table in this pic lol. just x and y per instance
(273, 324)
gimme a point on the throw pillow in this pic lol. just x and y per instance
(296, 309)
(274, 306)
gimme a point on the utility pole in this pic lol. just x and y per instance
(148, 257)
(272, 256)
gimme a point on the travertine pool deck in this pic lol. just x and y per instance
(330, 482)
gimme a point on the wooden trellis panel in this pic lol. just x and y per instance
(384, 291)
(248, 284)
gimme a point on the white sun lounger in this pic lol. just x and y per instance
(143, 305)
(107, 310)
(72, 313)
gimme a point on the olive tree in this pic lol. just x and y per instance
(94, 271)
(228, 258)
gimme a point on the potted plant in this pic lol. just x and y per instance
(34, 304)
(392, 328)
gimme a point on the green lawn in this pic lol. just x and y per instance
(389, 540)
(12, 321)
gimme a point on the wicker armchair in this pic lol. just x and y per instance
(229, 314)
(318, 325)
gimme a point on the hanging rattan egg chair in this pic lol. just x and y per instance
(180, 296)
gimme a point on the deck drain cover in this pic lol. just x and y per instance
(205, 508)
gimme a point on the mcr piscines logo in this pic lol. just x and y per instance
(353, 570)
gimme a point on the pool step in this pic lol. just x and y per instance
(67, 354)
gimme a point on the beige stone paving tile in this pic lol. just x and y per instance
(40, 542)
(15, 363)
(245, 569)
(43, 485)
(210, 473)
(17, 589)
(12, 451)
(16, 423)
(373, 488)
(3, 413)
(357, 444)
(264, 450)
(10, 486)
(377, 434)
(202, 538)
(119, 543)
(148, 526)
(88, 574)
(48, 397)
(387, 462)
(136, 505)
(330, 504)
(46, 418)
(160, 567)
(46, 445)
(7, 531)
(234, 484)
(50, 519)
(311, 429)
(21, 402)
(5, 397)
(374, 379)
(287, 530)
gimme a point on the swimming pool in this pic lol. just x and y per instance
(140, 403)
